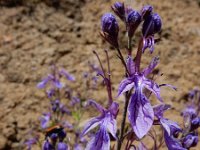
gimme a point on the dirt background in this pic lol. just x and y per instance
(32, 36)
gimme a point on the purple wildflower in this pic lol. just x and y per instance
(172, 143)
(43, 83)
(171, 129)
(110, 29)
(190, 140)
(140, 111)
(68, 76)
(53, 80)
(106, 122)
(31, 142)
(151, 25)
(47, 145)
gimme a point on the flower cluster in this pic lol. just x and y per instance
(137, 87)
(53, 122)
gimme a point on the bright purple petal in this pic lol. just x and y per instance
(130, 65)
(151, 66)
(110, 123)
(172, 143)
(125, 86)
(92, 123)
(101, 141)
(169, 126)
(160, 109)
(140, 113)
(153, 87)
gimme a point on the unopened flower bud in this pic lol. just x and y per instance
(195, 123)
(119, 10)
(151, 25)
(146, 11)
(110, 29)
(133, 21)
(190, 141)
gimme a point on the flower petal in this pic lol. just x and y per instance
(153, 87)
(151, 66)
(43, 83)
(68, 76)
(96, 105)
(130, 65)
(101, 141)
(172, 143)
(169, 126)
(125, 86)
(110, 124)
(160, 109)
(140, 113)
(92, 123)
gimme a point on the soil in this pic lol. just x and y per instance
(32, 37)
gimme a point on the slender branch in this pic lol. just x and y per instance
(122, 60)
(121, 137)
(100, 63)
(109, 84)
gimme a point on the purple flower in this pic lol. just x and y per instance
(47, 145)
(53, 80)
(133, 21)
(44, 120)
(31, 142)
(119, 10)
(172, 143)
(140, 111)
(171, 129)
(107, 124)
(151, 25)
(43, 83)
(62, 146)
(110, 29)
(190, 140)
(68, 76)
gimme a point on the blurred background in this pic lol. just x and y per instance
(36, 33)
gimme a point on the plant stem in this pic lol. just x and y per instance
(120, 140)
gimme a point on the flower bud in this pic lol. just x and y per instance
(110, 29)
(146, 11)
(190, 141)
(119, 10)
(133, 21)
(195, 123)
(47, 146)
(151, 25)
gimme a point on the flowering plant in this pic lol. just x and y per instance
(137, 87)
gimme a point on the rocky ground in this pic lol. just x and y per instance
(32, 37)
